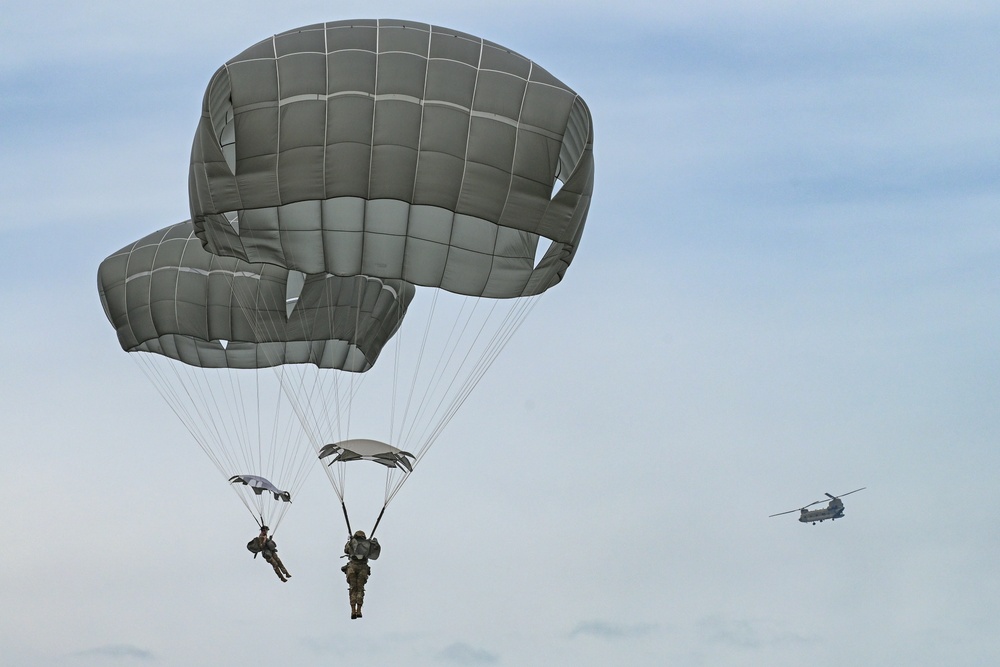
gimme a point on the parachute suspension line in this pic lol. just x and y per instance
(252, 458)
(448, 362)
(194, 418)
(251, 445)
(260, 446)
(395, 376)
(333, 392)
(323, 421)
(315, 415)
(207, 404)
(312, 434)
(233, 441)
(305, 461)
(444, 362)
(311, 402)
(357, 327)
(413, 383)
(226, 436)
(286, 461)
(261, 463)
(337, 420)
(515, 317)
(201, 426)
(286, 467)
(236, 392)
(300, 398)
(340, 484)
(236, 412)
(293, 466)
(273, 463)
(397, 357)
(419, 362)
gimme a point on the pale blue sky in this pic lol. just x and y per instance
(789, 285)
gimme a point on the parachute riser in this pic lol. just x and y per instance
(347, 519)
(377, 521)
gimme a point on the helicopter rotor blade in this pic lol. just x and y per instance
(788, 512)
(832, 497)
(801, 509)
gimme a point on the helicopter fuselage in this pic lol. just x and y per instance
(834, 510)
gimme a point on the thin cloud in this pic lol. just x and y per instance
(351, 643)
(744, 634)
(461, 653)
(117, 651)
(606, 630)
(729, 632)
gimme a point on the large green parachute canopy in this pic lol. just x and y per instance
(164, 294)
(256, 342)
(336, 169)
(396, 150)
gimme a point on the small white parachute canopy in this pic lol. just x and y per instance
(361, 449)
(259, 485)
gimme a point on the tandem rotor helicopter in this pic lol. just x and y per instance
(833, 511)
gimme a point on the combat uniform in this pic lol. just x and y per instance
(358, 550)
(266, 547)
